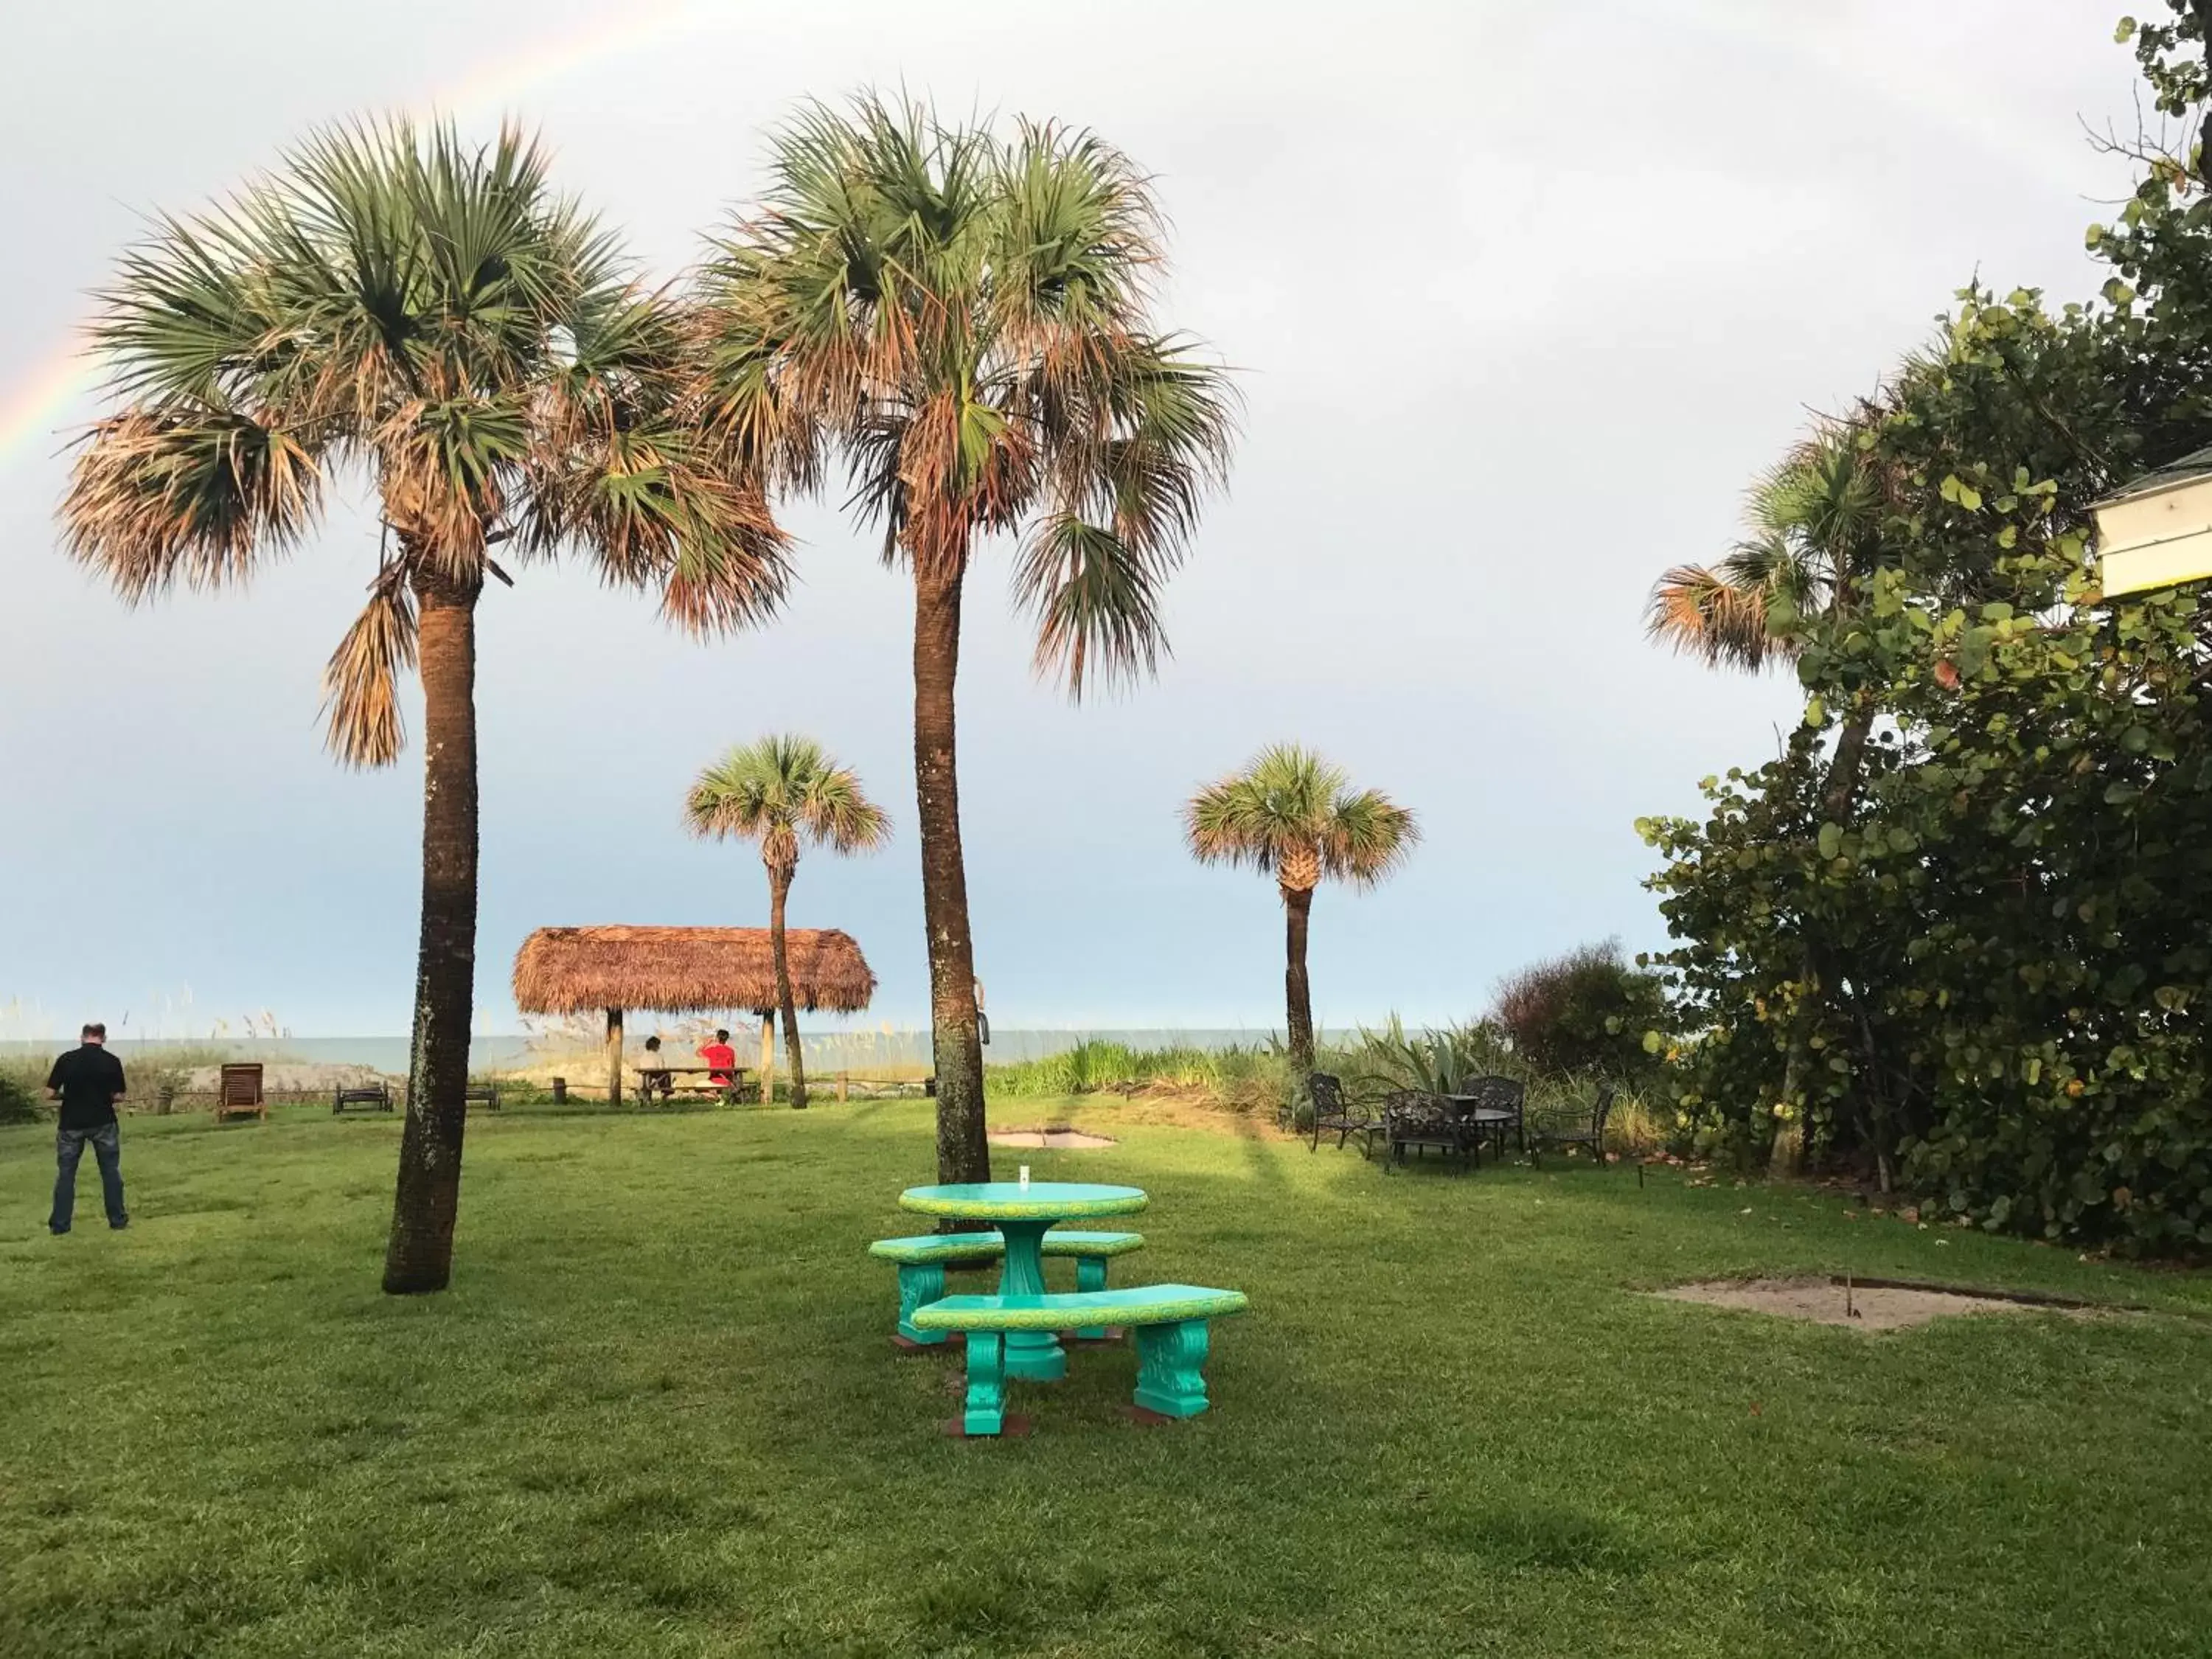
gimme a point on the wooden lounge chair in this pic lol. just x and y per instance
(238, 1092)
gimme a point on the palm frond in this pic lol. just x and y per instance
(1701, 613)
(1816, 523)
(1291, 814)
(1097, 603)
(360, 683)
(1368, 837)
(965, 321)
(779, 790)
(192, 493)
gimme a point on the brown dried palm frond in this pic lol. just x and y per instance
(1701, 613)
(360, 683)
(198, 495)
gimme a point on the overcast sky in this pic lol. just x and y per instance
(1523, 294)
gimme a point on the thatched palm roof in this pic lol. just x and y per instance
(685, 971)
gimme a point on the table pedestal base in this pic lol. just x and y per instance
(1032, 1356)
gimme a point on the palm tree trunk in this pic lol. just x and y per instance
(1838, 799)
(1298, 905)
(420, 1255)
(1839, 787)
(779, 888)
(962, 1151)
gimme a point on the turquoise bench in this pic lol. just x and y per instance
(922, 1261)
(1170, 1319)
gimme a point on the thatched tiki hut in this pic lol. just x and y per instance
(685, 971)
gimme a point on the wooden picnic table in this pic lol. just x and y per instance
(1023, 1215)
(735, 1074)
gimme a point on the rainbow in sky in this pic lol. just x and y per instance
(35, 409)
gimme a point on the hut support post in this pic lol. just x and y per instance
(614, 1056)
(768, 1057)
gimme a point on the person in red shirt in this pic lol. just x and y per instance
(722, 1057)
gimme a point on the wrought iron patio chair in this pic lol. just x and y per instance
(1417, 1120)
(1569, 1124)
(1334, 1113)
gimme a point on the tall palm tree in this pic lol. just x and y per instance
(1291, 815)
(780, 791)
(966, 323)
(435, 314)
(1816, 524)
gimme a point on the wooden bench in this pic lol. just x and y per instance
(669, 1082)
(479, 1094)
(922, 1261)
(377, 1096)
(1170, 1319)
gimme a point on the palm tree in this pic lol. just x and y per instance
(1816, 523)
(966, 324)
(1291, 815)
(436, 314)
(780, 791)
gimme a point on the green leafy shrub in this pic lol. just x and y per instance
(20, 1101)
(1979, 968)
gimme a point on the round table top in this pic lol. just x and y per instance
(1009, 1201)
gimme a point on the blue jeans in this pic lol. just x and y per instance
(69, 1148)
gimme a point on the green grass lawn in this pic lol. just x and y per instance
(659, 1413)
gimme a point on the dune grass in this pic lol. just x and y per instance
(658, 1414)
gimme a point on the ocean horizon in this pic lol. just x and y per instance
(847, 1051)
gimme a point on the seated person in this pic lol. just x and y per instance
(723, 1058)
(652, 1073)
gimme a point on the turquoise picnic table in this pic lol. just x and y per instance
(1023, 1216)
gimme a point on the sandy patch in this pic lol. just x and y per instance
(1065, 1141)
(1862, 1307)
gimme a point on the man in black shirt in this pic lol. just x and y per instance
(88, 1080)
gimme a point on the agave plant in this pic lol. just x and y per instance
(435, 315)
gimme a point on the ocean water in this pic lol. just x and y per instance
(833, 1050)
